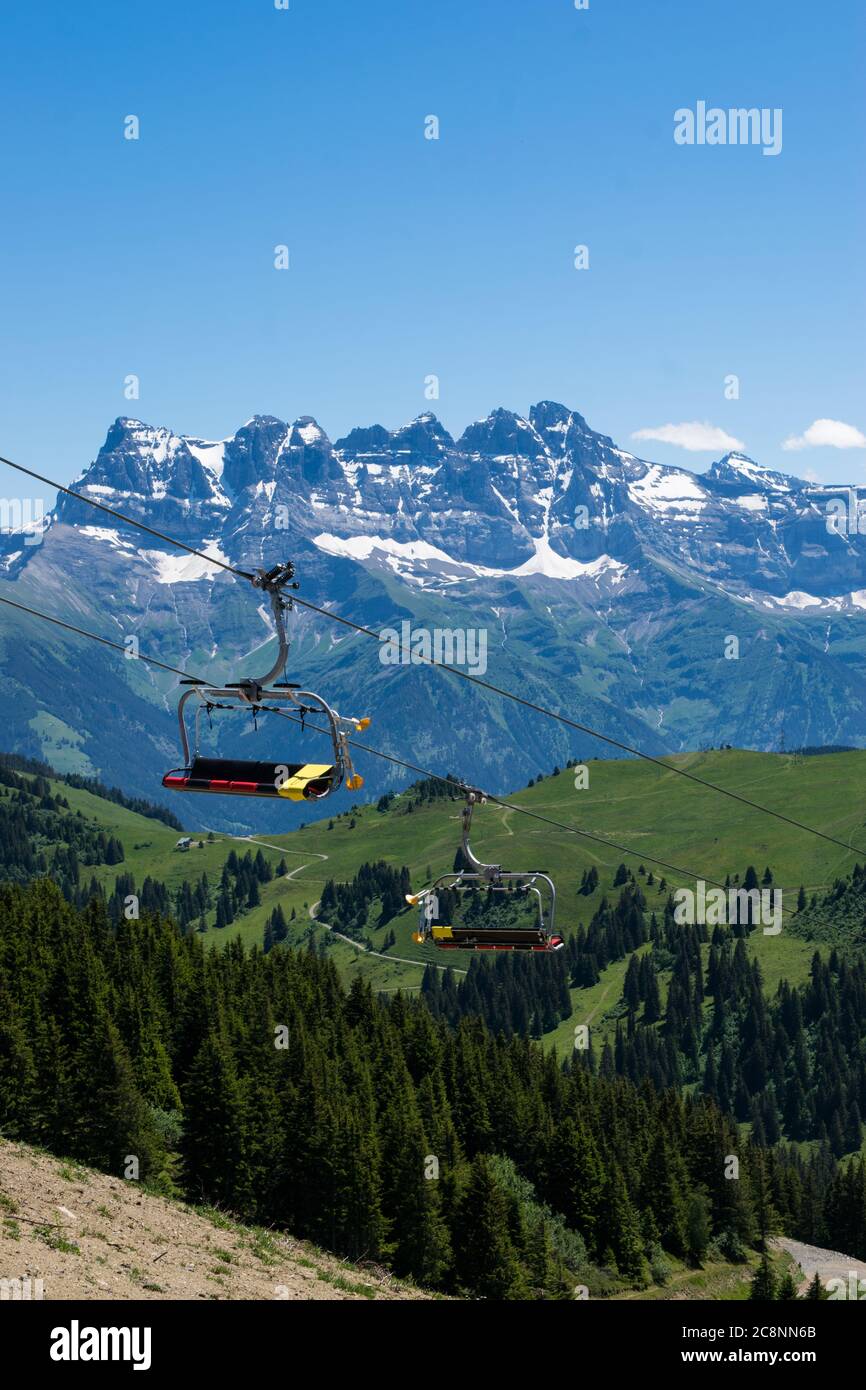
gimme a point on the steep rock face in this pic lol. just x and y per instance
(508, 490)
(605, 584)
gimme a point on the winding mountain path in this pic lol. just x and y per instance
(359, 946)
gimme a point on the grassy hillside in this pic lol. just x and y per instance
(644, 808)
(649, 811)
(714, 1280)
(655, 813)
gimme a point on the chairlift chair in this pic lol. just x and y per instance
(298, 781)
(539, 938)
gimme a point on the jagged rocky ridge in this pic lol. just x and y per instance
(607, 586)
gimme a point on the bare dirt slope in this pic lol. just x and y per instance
(828, 1264)
(90, 1236)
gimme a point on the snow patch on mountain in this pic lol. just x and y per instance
(184, 569)
(744, 464)
(363, 547)
(210, 456)
(512, 511)
(671, 491)
(798, 599)
(105, 533)
(545, 561)
(739, 468)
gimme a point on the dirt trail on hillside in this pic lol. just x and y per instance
(382, 955)
(90, 1236)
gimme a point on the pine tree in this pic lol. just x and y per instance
(816, 1291)
(621, 1226)
(652, 998)
(575, 1180)
(631, 989)
(485, 1258)
(763, 1287)
(212, 1147)
(539, 1259)
(698, 1228)
(787, 1289)
(664, 1179)
(113, 1122)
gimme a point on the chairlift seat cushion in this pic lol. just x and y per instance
(499, 939)
(234, 777)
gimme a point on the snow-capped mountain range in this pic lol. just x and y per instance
(608, 587)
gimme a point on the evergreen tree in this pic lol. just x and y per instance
(763, 1287)
(698, 1228)
(787, 1289)
(212, 1147)
(621, 1229)
(485, 1257)
(816, 1291)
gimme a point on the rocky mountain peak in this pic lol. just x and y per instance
(739, 469)
(502, 433)
(426, 437)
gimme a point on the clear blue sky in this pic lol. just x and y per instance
(409, 256)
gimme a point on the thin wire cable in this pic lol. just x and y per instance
(586, 729)
(510, 806)
(94, 636)
(121, 516)
(377, 753)
(456, 671)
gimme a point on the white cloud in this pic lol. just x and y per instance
(827, 434)
(694, 435)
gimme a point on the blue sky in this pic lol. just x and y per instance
(411, 257)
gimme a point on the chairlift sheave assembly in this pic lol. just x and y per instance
(299, 781)
(475, 874)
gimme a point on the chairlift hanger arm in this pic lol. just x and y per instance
(273, 582)
(488, 871)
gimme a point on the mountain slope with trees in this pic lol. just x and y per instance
(466, 1161)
